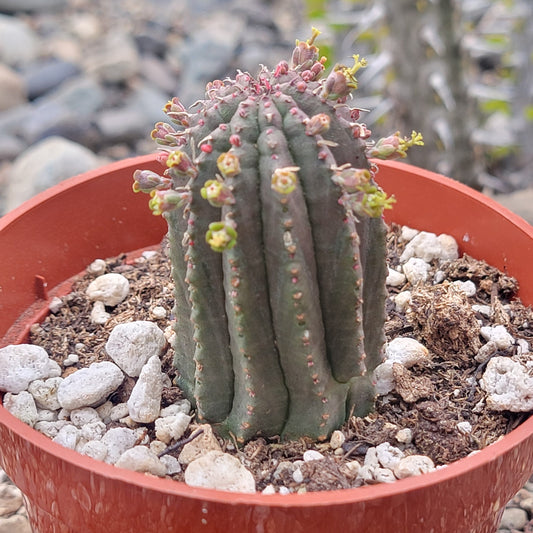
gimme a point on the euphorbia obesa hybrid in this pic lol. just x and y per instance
(277, 247)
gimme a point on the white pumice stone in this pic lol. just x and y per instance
(508, 385)
(104, 411)
(439, 277)
(95, 449)
(118, 412)
(180, 406)
(93, 431)
(118, 440)
(312, 455)
(416, 270)
(499, 335)
(485, 310)
(337, 439)
(199, 446)
(406, 351)
(157, 446)
(110, 289)
(408, 233)
(464, 427)
(424, 245)
(159, 312)
(402, 301)
(44, 393)
(222, 471)
(98, 313)
(298, 476)
(367, 472)
(269, 489)
(149, 254)
(523, 346)
(55, 305)
(388, 456)
(383, 378)
(467, 287)
(97, 267)
(141, 459)
(384, 475)
(172, 465)
(68, 436)
(449, 248)
(131, 344)
(71, 359)
(50, 428)
(371, 457)
(22, 406)
(20, 364)
(144, 403)
(350, 469)
(404, 436)
(395, 278)
(89, 386)
(171, 428)
(46, 415)
(413, 465)
(84, 415)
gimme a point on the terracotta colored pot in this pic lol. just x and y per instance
(55, 235)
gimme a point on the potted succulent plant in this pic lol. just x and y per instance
(266, 178)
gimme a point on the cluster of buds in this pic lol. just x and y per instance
(361, 195)
(394, 146)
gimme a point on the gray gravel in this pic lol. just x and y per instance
(85, 80)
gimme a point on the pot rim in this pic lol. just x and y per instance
(361, 494)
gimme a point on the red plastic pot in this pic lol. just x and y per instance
(55, 235)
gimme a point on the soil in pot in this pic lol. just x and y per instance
(435, 409)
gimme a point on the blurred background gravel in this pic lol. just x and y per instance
(83, 81)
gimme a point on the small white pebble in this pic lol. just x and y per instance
(404, 436)
(406, 351)
(464, 427)
(269, 489)
(312, 455)
(384, 475)
(402, 301)
(523, 346)
(71, 359)
(171, 463)
(284, 490)
(416, 270)
(337, 439)
(388, 456)
(485, 310)
(439, 277)
(395, 278)
(95, 449)
(55, 304)
(110, 289)
(298, 476)
(499, 335)
(413, 465)
(149, 254)
(408, 233)
(159, 312)
(118, 411)
(467, 287)
(97, 267)
(68, 436)
(157, 446)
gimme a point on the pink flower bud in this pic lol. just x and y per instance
(318, 124)
(147, 181)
